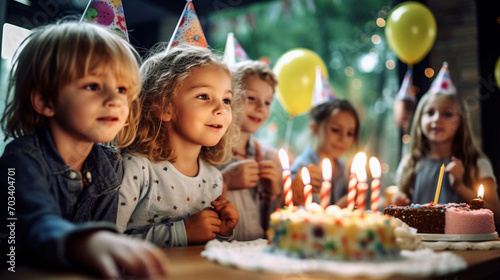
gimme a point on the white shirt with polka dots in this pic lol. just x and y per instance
(155, 199)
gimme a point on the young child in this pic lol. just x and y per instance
(335, 124)
(441, 134)
(171, 192)
(73, 85)
(253, 177)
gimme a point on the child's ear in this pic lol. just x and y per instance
(41, 105)
(166, 115)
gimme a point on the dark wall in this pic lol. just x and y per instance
(488, 33)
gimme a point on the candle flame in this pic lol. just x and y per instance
(285, 164)
(359, 164)
(358, 159)
(327, 170)
(361, 173)
(480, 192)
(306, 178)
(375, 167)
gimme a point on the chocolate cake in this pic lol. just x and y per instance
(425, 218)
(450, 218)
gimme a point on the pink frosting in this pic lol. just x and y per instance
(464, 221)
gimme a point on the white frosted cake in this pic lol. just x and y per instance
(334, 233)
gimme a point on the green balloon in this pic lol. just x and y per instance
(411, 31)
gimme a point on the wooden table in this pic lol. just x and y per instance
(187, 263)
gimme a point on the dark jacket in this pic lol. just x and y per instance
(49, 202)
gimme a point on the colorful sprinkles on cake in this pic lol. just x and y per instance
(334, 234)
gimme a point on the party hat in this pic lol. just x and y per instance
(108, 13)
(188, 29)
(406, 92)
(323, 91)
(443, 83)
(233, 52)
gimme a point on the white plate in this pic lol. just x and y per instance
(458, 237)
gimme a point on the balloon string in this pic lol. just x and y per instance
(288, 133)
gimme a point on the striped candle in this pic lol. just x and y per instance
(306, 179)
(375, 186)
(326, 186)
(362, 186)
(287, 179)
(351, 189)
(359, 158)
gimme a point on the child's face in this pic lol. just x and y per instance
(93, 108)
(336, 135)
(259, 95)
(440, 119)
(203, 107)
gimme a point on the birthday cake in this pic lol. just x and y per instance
(334, 233)
(451, 218)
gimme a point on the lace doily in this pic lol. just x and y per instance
(252, 255)
(443, 245)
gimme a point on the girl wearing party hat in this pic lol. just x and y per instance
(171, 193)
(441, 134)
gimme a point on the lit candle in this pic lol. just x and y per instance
(376, 172)
(478, 203)
(440, 181)
(353, 181)
(326, 186)
(287, 179)
(306, 179)
(362, 186)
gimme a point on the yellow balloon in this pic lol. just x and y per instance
(497, 71)
(411, 31)
(296, 72)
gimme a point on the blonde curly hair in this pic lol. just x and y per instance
(162, 73)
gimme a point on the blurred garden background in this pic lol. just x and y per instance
(349, 37)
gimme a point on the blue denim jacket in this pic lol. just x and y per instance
(50, 201)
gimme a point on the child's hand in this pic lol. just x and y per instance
(400, 199)
(107, 252)
(315, 173)
(202, 226)
(298, 190)
(270, 176)
(228, 213)
(456, 169)
(241, 174)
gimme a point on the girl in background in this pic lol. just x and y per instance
(171, 192)
(253, 177)
(441, 134)
(74, 85)
(335, 125)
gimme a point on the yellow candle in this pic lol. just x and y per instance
(440, 181)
